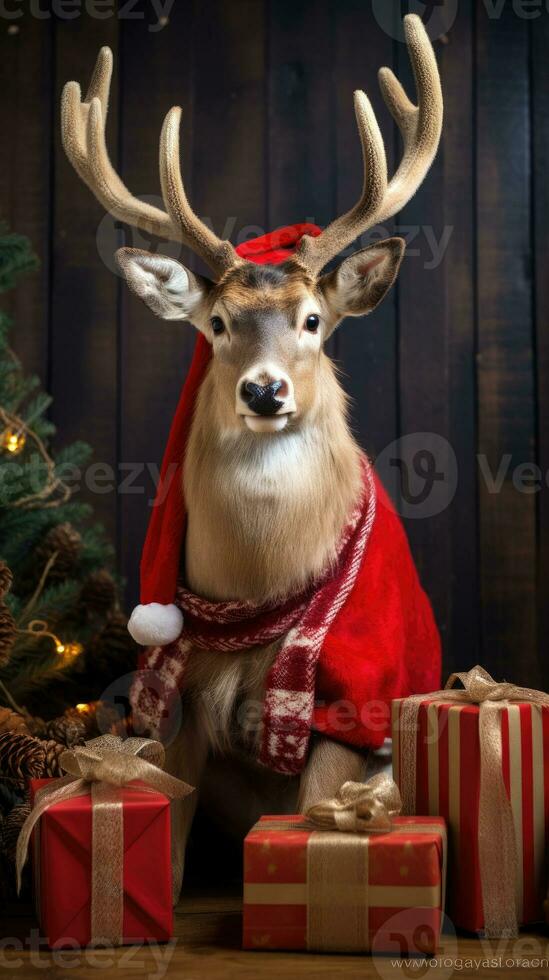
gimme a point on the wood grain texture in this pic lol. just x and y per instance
(301, 157)
(229, 178)
(157, 73)
(539, 40)
(424, 370)
(207, 939)
(83, 343)
(458, 325)
(365, 347)
(506, 396)
(26, 119)
(300, 119)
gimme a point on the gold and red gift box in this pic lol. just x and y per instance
(306, 889)
(62, 862)
(448, 780)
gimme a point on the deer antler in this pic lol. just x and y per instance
(218, 254)
(420, 127)
(83, 135)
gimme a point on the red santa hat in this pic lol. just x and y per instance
(157, 620)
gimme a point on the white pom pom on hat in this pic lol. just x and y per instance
(155, 624)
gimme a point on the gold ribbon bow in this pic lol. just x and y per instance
(367, 808)
(497, 843)
(101, 767)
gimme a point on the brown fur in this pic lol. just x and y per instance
(276, 526)
(248, 286)
(265, 511)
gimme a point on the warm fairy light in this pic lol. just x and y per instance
(83, 709)
(13, 442)
(68, 651)
(71, 650)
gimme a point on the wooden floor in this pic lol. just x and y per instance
(207, 945)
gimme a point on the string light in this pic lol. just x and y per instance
(14, 435)
(13, 442)
(68, 651)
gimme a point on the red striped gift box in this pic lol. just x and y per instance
(329, 891)
(448, 773)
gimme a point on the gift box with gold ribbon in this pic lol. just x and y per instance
(102, 866)
(350, 876)
(479, 756)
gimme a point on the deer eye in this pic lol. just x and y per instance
(312, 322)
(217, 324)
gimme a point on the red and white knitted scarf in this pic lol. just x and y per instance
(304, 620)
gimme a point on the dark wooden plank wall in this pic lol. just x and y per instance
(458, 350)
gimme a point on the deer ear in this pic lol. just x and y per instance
(166, 286)
(360, 282)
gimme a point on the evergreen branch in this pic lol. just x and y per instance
(16, 257)
(38, 590)
(34, 498)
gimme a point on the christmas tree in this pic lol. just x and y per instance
(63, 636)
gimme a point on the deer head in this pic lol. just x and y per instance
(267, 324)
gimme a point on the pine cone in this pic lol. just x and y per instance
(6, 578)
(111, 721)
(22, 756)
(113, 652)
(86, 718)
(98, 594)
(11, 721)
(8, 633)
(11, 827)
(53, 750)
(66, 730)
(115, 632)
(64, 540)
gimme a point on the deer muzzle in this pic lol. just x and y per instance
(265, 400)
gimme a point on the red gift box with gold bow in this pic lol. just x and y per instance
(341, 891)
(63, 868)
(101, 844)
(479, 757)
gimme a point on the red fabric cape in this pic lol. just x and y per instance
(383, 644)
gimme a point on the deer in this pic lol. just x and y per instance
(272, 470)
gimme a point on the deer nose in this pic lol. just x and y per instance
(262, 399)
